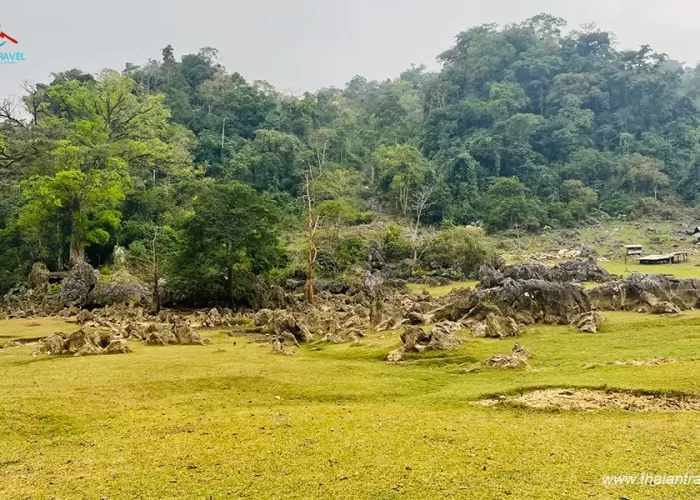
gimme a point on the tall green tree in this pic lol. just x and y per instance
(233, 230)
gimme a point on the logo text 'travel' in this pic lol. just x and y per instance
(8, 53)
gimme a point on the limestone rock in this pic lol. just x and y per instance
(516, 360)
(121, 288)
(650, 293)
(76, 287)
(589, 322)
(39, 278)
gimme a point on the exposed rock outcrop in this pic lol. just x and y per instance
(589, 322)
(416, 339)
(39, 278)
(516, 360)
(570, 271)
(648, 293)
(121, 288)
(76, 287)
(83, 343)
(580, 271)
(525, 301)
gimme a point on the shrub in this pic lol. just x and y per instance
(463, 248)
(396, 244)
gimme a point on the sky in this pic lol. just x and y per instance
(302, 45)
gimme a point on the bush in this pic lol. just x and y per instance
(462, 248)
(352, 251)
(396, 244)
(649, 207)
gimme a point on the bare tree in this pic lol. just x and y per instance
(10, 111)
(34, 100)
(421, 202)
(311, 250)
(319, 143)
(151, 258)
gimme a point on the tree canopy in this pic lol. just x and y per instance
(524, 125)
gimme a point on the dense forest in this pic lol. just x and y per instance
(202, 176)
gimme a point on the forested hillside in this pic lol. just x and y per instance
(197, 171)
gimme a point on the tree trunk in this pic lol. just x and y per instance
(310, 249)
(77, 252)
(156, 292)
(229, 287)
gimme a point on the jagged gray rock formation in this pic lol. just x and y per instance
(649, 293)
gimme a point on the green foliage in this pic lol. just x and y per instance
(396, 244)
(340, 212)
(231, 232)
(523, 126)
(401, 171)
(352, 251)
(511, 205)
(463, 248)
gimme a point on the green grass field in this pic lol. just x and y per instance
(226, 421)
(683, 270)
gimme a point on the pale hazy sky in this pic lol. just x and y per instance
(305, 44)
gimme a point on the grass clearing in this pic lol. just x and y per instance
(682, 270)
(439, 291)
(206, 422)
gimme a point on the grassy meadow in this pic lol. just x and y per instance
(336, 421)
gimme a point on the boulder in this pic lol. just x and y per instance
(186, 335)
(495, 326)
(527, 271)
(54, 344)
(416, 339)
(84, 316)
(396, 355)
(650, 293)
(278, 348)
(521, 351)
(516, 360)
(39, 278)
(651, 304)
(589, 322)
(76, 287)
(412, 337)
(83, 343)
(263, 317)
(377, 262)
(528, 302)
(489, 277)
(343, 336)
(288, 323)
(163, 337)
(121, 288)
(580, 271)
(117, 346)
(443, 339)
(508, 362)
(570, 271)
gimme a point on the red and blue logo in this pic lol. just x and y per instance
(4, 38)
(7, 53)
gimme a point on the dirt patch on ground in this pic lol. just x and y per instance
(636, 362)
(588, 399)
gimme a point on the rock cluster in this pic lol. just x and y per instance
(121, 288)
(517, 359)
(588, 322)
(571, 271)
(647, 293)
(525, 301)
(76, 287)
(83, 343)
(416, 339)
